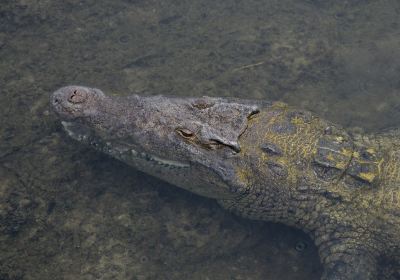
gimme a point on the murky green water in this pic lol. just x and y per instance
(67, 212)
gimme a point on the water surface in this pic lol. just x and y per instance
(67, 212)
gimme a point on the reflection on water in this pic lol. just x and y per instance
(67, 212)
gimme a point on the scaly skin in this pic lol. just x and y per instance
(345, 193)
(263, 161)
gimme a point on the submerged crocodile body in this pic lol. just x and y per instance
(264, 161)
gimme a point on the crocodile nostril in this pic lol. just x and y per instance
(77, 96)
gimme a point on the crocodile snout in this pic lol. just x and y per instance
(74, 101)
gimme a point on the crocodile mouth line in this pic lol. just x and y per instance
(84, 134)
(159, 161)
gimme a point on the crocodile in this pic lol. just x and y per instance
(261, 160)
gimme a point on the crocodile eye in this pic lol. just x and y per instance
(185, 133)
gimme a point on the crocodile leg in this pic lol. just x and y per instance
(359, 270)
(348, 262)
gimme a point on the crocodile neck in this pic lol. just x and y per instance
(314, 169)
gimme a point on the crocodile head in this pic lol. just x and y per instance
(189, 142)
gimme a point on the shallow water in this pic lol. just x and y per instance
(67, 212)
